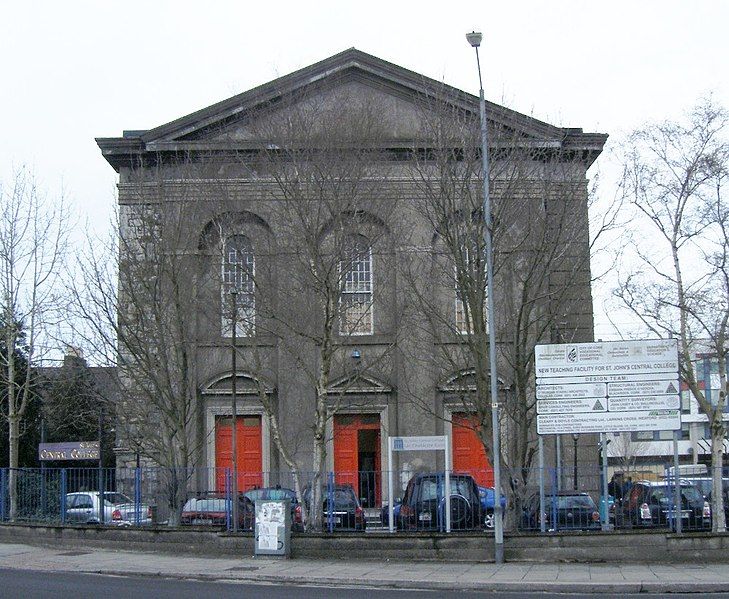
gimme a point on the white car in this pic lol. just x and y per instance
(83, 508)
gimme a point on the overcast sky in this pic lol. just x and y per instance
(73, 70)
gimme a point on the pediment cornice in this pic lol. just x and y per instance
(187, 133)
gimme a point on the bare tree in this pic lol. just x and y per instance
(33, 243)
(677, 283)
(542, 250)
(135, 295)
(329, 201)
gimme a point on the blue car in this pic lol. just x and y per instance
(486, 495)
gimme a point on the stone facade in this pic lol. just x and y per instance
(205, 174)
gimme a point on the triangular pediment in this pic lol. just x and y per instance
(405, 96)
(358, 384)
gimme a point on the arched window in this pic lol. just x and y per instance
(239, 269)
(469, 274)
(356, 298)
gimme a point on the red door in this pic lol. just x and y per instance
(248, 431)
(469, 455)
(357, 455)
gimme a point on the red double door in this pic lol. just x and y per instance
(469, 456)
(357, 455)
(250, 451)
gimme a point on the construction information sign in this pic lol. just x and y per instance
(614, 386)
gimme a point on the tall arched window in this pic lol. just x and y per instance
(469, 275)
(239, 269)
(356, 299)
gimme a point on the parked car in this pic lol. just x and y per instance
(345, 511)
(423, 506)
(82, 507)
(564, 510)
(650, 504)
(486, 496)
(272, 493)
(209, 510)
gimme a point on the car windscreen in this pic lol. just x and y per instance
(665, 493)
(206, 505)
(116, 498)
(272, 494)
(434, 489)
(571, 502)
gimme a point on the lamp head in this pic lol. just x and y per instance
(474, 38)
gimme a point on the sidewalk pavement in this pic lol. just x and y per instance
(524, 577)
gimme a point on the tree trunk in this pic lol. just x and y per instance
(13, 441)
(717, 462)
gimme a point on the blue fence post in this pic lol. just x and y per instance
(228, 498)
(3, 491)
(330, 501)
(63, 496)
(137, 494)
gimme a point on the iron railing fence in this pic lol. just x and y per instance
(549, 499)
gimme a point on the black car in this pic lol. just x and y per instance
(650, 504)
(563, 510)
(423, 506)
(340, 506)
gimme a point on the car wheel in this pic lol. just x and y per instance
(489, 520)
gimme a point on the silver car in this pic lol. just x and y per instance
(83, 508)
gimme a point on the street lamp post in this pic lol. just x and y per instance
(234, 404)
(474, 39)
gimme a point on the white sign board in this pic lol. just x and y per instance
(615, 386)
(615, 357)
(417, 443)
(654, 420)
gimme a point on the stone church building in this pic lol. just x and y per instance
(334, 173)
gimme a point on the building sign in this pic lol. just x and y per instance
(615, 386)
(616, 422)
(69, 450)
(417, 443)
(615, 357)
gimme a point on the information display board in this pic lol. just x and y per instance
(614, 386)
